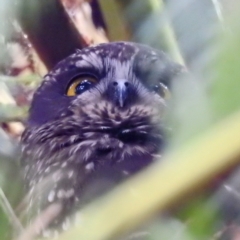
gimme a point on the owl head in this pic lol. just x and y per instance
(97, 117)
(100, 107)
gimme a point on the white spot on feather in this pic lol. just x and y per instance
(51, 196)
(89, 166)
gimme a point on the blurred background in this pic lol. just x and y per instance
(203, 35)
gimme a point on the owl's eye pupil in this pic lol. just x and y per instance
(83, 86)
(156, 88)
(162, 90)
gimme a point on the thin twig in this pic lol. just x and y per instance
(9, 212)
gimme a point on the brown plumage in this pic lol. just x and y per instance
(95, 120)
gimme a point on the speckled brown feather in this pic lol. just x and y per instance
(76, 148)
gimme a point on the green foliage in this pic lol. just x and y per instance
(225, 90)
(199, 102)
(11, 192)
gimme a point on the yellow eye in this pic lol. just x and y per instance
(80, 85)
(162, 90)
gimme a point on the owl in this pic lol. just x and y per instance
(95, 120)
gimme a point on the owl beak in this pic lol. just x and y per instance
(121, 91)
(121, 95)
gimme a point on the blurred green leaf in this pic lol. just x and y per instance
(189, 110)
(201, 217)
(29, 80)
(226, 85)
(11, 186)
(11, 192)
(10, 112)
